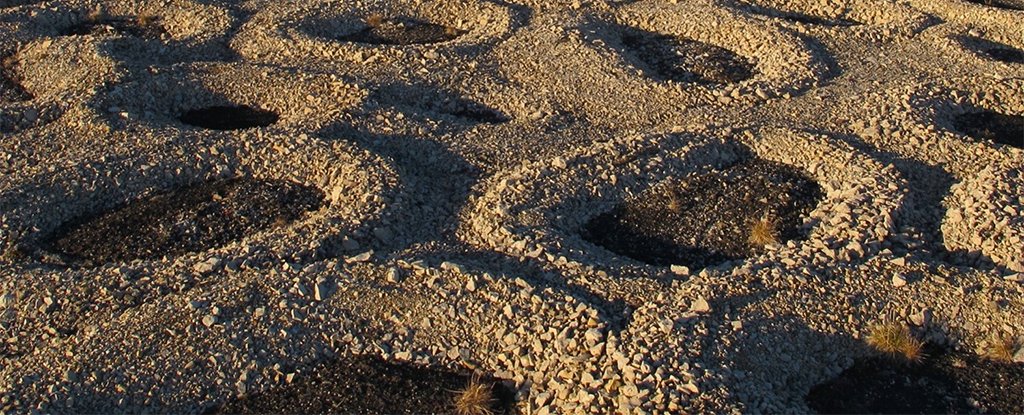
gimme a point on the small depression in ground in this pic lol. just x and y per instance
(15, 3)
(471, 111)
(944, 384)
(798, 17)
(707, 219)
(370, 385)
(224, 117)
(992, 126)
(141, 26)
(994, 50)
(1002, 4)
(678, 59)
(401, 31)
(191, 219)
(10, 87)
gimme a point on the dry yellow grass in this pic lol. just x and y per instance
(1001, 348)
(763, 232)
(475, 399)
(96, 15)
(375, 20)
(895, 340)
(145, 19)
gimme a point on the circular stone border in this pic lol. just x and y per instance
(186, 21)
(305, 32)
(886, 18)
(981, 213)
(308, 101)
(21, 116)
(538, 209)
(1003, 24)
(954, 39)
(356, 186)
(986, 215)
(783, 63)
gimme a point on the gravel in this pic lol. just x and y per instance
(457, 178)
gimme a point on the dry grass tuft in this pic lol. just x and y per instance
(375, 20)
(95, 15)
(475, 399)
(1001, 348)
(675, 205)
(764, 232)
(146, 19)
(895, 340)
(9, 62)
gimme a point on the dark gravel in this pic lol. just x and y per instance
(368, 385)
(10, 86)
(994, 50)
(138, 27)
(403, 31)
(683, 60)
(946, 383)
(992, 126)
(193, 219)
(1002, 4)
(223, 117)
(705, 219)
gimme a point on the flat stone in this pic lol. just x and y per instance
(898, 281)
(700, 306)
(363, 257)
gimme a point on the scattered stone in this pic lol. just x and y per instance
(363, 257)
(700, 306)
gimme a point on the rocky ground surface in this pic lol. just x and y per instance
(458, 150)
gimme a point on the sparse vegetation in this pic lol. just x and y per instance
(1001, 348)
(95, 15)
(764, 232)
(674, 204)
(476, 399)
(895, 340)
(146, 18)
(374, 20)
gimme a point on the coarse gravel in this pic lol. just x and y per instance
(458, 177)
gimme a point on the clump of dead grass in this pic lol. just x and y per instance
(146, 19)
(374, 20)
(475, 399)
(764, 232)
(1002, 348)
(895, 340)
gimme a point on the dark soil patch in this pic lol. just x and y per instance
(15, 3)
(470, 111)
(480, 115)
(994, 50)
(10, 83)
(192, 219)
(369, 385)
(139, 27)
(683, 60)
(818, 21)
(403, 31)
(1002, 4)
(992, 126)
(800, 17)
(229, 117)
(706, 219)
(947, 383)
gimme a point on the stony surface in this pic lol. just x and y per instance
(457, 177)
